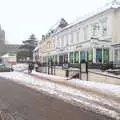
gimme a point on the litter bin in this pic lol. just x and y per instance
(111, 64)
(66, 68)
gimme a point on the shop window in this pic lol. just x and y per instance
(106, 55)
(117, 56)
(98, 55)
(76, 57)
(61, 59)
(66, 58)
(71, 57)
(55, 58)
(82, 55)
(90, 54)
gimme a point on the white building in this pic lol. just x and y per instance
(90, 38)
(94, 38)
(9, 58)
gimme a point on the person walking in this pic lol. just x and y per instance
(30, 67)
(36, 66)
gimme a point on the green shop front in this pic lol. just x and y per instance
(92, 55)
(97, 55)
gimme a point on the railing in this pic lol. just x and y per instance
(46, 68)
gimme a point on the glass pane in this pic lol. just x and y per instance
(82, 55)
(76, 57)
(98, 55)
(90, 54)
(106, 55)
(65, 58)
(71, 57)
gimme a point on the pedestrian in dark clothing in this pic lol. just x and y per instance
(30, 67)
(36, 66)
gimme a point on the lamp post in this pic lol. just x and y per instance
(48, 63)
(102, 54)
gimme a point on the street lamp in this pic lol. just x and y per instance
(102, 54)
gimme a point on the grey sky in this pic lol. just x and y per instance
(20, 18)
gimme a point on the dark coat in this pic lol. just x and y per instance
(31, 66)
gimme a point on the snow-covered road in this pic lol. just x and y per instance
(72, 95)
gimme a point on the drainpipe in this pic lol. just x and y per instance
(103, 54)
(79, 57)
(68, 57)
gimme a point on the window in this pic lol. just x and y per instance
(76, 57)
(48, 45)
(71, 57)
(55, 59)
(77, 36)
(11, 54)
(66, 40)
(98, 55)
(85, 30)
(66, 58)
(104, 29)
(96, 29)
(104, 26)
(74, 36)
(62, 41)
(58, 42)
(106, 55)
(71, 37)
(117, 56)
(82, 55)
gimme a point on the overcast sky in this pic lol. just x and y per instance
(20, 18)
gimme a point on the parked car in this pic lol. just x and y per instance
(6, 68)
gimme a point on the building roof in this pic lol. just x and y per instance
(12, 48)
(35, 49)
(114, 4)
(9, 48)
(5, 55)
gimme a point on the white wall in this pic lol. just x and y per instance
(83, 31)
(116, 26)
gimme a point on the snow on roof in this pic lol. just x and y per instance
(113, 4)
(35, 49)
(5, 55)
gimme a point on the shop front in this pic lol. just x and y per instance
(117, 54)
(102, 55)
(76, 57)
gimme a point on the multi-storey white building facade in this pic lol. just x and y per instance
(93, 38)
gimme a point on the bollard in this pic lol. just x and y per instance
(67, 73)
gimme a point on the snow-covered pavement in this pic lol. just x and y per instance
(20, 67)
(106, 89)
(80, 97)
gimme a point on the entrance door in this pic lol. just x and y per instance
(61, 59)
(66, 58)
(98, 55)
(82, 55)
